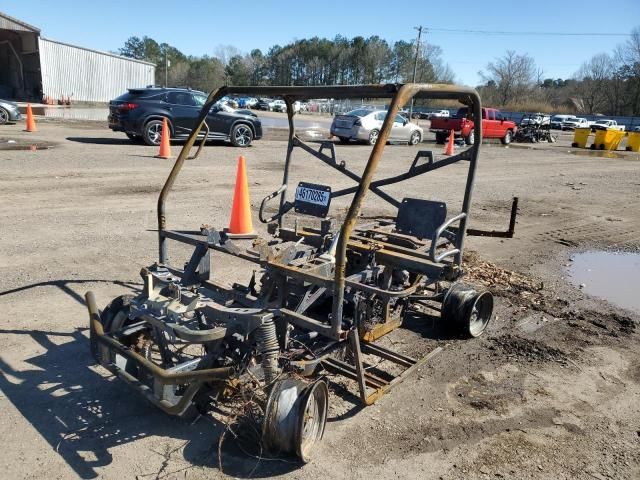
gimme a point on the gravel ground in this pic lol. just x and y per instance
(551, 391)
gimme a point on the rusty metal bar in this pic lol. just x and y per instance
(496, 233)
(97, 335)
(354, 209)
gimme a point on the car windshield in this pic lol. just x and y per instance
(359, 112)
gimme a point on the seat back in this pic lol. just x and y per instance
(420, 218)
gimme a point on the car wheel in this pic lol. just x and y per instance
(441, 138)
(152, 133)
(241, 135)
(416, 138)
(344, 139)
(471, 138)
(4, 116)
(506, 140)
(373, 137)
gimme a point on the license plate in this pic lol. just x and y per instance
(312, 199)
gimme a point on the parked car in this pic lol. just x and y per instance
(264, 104)
(604, 124)
(636, 129)
(9, 112)
(536, 119)
(279, 106)
(556, 120)
(365, 124)
(494, 125)
(575, 122)
(439, 114)
(247, 102)
(139, 114)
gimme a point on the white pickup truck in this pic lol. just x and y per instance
(604, 124)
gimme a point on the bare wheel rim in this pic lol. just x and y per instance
(4, 116)
(373, 137)
(243, 135)
(155, 132)
(480, 314)
(313, 419)
(415, 138)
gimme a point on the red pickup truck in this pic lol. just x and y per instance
(493, 126)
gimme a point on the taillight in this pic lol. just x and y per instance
(127, 106)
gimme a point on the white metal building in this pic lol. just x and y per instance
(32, 67)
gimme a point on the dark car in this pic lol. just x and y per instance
(264, 104)
(9, 112)
(139, 114)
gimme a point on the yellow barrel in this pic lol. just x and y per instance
(608, 139)
(580, 137)
(633, 141)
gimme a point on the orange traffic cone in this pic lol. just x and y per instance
(165, 146)
(240, 225)
(449, 149)
(31, 123)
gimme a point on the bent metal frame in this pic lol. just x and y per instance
(428, 262)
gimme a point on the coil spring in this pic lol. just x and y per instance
(269, 348)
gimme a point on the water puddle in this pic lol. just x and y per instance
(9, 144)
(613, 276)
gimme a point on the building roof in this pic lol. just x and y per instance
(10, 23)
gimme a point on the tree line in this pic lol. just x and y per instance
(608, 83)
(308, 62)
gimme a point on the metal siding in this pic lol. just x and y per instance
(10, 23)
(87, 75)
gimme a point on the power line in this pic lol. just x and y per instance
(554, 34)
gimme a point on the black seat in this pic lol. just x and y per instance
(420, 218)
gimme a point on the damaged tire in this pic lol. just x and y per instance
(466, 310)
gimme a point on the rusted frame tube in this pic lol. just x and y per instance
(473, 163)
(353, 176)
(401, 97)
(177, 166)
(97, 335)
(287, 162)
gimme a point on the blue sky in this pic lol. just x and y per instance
(198, 27)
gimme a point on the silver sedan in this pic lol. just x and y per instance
(365, 124)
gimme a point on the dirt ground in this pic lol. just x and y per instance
(551, 391)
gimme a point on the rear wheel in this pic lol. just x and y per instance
(416, 138)
(506, 140)
(4, 116)
(241, 135)
(152, 132)
(441, 138)
(295, 417)
(466, 310)
(373, 137)
(344, 139)
(471, 138)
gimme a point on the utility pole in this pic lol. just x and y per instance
(166, 69)
(415, 65)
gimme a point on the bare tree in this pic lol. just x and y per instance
(513, 75)
(593, 78)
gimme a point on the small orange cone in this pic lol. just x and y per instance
(240, 225)
(165, 146)
(449, 149)
(31, 123)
